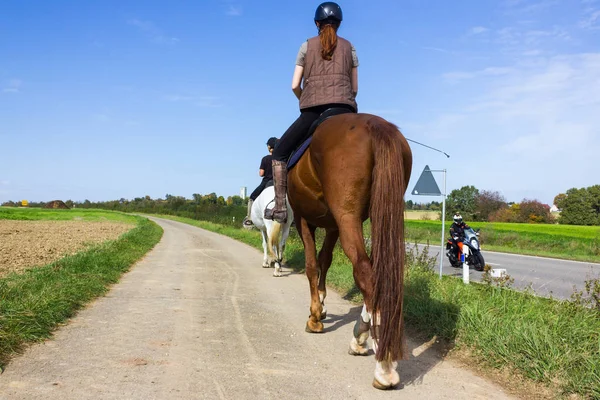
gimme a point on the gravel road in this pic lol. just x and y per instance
(198, 318)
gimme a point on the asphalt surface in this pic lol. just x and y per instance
(198, 318)
(547, 276)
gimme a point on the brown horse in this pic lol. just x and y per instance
(357, 167)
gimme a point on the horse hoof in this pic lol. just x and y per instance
(356, 349)
(277, 273)
(266, 266)
(381, 386)
(362, 352)
(314, 327)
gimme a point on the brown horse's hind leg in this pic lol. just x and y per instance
(351, 236)
(325, 258)
(352, 240)
(307, 233)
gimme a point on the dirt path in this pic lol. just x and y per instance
(199, 318)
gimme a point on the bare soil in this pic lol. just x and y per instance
(26, 244)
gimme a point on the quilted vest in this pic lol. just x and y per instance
(327, 81)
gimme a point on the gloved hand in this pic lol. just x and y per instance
(455, 237)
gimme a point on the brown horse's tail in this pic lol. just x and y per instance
(387, 231)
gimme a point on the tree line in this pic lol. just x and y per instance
(208, 207)
(575, 207)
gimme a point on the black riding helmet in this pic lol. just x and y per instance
(272, 142)
(328, 11)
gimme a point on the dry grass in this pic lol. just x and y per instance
(422, 215)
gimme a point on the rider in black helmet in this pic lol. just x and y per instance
(327, 67)
(266, 171)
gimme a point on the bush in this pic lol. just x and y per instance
(503, 215)
(535, 212)
(487, 203)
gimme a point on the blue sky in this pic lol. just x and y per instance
(107, 99)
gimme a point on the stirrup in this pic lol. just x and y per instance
(275, 215)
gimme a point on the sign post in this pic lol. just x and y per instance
(427, 186)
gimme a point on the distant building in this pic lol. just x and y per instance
(243, 192)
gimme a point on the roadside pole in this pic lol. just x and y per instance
(443, 224)
(427, 186)
(465, 265)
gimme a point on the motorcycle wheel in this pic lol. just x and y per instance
(480, 262)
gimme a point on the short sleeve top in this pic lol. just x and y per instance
(302, 54)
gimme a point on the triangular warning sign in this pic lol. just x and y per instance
(426, 185)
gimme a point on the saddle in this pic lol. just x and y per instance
(297, 154)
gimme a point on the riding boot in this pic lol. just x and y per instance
(279, 212)
(247, 219)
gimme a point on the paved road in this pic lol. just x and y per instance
(548, 276)
(198, 318)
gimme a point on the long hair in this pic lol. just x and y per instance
(328, 36)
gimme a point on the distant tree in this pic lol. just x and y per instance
(487, 203)
(409, 205)
(197, 198)
(221, 201)
(581, 206)
(237, 201)
(463, 201)
(210, 198)
(559, 200)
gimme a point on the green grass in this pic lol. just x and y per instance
(547, 341)
(34, 303)
(569, 242)
(34, 214)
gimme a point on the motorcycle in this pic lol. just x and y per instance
(474, 256)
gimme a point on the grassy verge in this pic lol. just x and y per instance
(553, 343)
(580, 243)
(33, 303)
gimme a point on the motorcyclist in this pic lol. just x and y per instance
(457, 233)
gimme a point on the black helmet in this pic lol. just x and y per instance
(330, 11)
(272, 142)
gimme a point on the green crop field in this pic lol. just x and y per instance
(561, 241)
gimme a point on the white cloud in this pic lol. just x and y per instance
(457, 76)
(99, 117)
(478, 30)
(529, 129)
(591, 20)
(178, 97)
(13, 86)
(152, 31)
(234, 11)
(208, 101)
(527, 7)
(200, 101)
